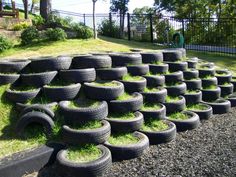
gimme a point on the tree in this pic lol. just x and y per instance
(45, 8)
(140, 15)
(121, 7)
(25, 2)
(94, 20)
(34, 2)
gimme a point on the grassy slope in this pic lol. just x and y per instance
(8, 142)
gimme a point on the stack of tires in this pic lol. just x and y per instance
(143, 97)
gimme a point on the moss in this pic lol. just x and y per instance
(151, 107)
(123, 139)
(124, 96)
(88, 125)
(119, 116)
(83, 104)
(128, 77)
(178, 116)
(83, 154)
(154, 125)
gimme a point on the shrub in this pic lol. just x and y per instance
(20, 26)
(4, 44)
(29, 35)
(110, 29)
(38, 20)
(83, 32)
(56, 34)
(54, 20)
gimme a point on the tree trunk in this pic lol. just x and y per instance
(45, 8)
(26, 8)
(32, 7)
(94, 21)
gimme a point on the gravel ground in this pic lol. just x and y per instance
(210, 150)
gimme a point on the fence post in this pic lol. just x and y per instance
(84, 20)
(183, 32)
(128, 22)
(151, 28)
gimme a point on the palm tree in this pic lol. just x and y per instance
(94, 20)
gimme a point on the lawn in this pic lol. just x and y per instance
(8, 142)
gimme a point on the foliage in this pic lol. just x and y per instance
(38, 21)
(4, 44)
(56, 34)
(109, 28)
(55, 20)
(29, 35)
(82, 32)
(20, 26)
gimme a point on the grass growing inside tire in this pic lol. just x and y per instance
(124, 96)
(123, 139)
(221, 73)
(149, 89)
(105, 84)
(192, 91)
(150, 107)
(83, 154)
(210, 87)
(128, 77)
(152, 74)
(207, 77)
(120, 116)
(23, 89)
(170, 99)
(154, 125)
(197, 107)
(88, 125)
(83, 104)
(178, 116)
(226, 84)
(172, 84)
(58, 84)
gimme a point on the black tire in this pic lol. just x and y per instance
(62, 93)
(8, 78)
(152, 57)
(13, 66)
(138, 70)
(177, 66)
(83, 114)
(159, 69)
(226, 89)
(155, 97)
(134, 86)
(204, 114)
(172, 55)
(188, 124)
(177, 106)
(155, 114)
(220, 106)
(38, 79)
(90, 136)
(124, 59)
(223, 78)
(89, 169)
(129, 151)
(174, 77)
(102, 92)
(44, 64)
(34, 117)
(195, 84)
(209, 82)
(206, 72)
(232, 99)
(78, 75)
(38, 108)
(155, 80)
(22, 96)
(21, 106)
(191, 74)
(176, 90)
(209, 95)
(163, 136)
(124, 106)
(111, 73)
(193, 98)
(91, 61)
(130, 125)
(192, 63)
(234, 83)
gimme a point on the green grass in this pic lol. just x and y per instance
(128, 77)
(83, 104)
(83, 154)
(58, 84)
(123, 139)
(23, 89)
(105, 84)
(221, 73)
(148, 89)
(192, 91)
(119, 116)
(154, 125)
(178, 116)
(170, 99)
(197, 107)
(207, 77)
(125, 96)
(172, 84)
(87, 125)
(210, 87)
(226, 84)
(150, 107)
(152, 74)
